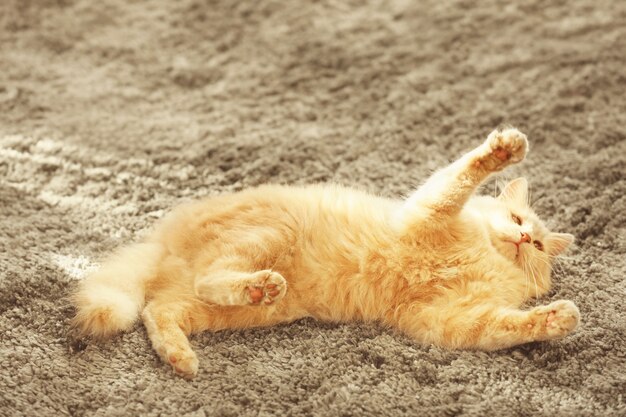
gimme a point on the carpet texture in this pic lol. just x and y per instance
(112, 111)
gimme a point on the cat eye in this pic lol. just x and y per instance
(517, 219)
(538, 245)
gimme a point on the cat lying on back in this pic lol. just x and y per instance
(443, 266)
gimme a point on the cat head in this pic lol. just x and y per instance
(518, 234)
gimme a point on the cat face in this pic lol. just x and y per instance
(518, 233)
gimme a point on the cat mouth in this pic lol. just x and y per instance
(516, 248)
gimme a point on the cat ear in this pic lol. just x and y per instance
(557, 243)
(516, 191)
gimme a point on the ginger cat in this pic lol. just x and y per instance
(443, 266)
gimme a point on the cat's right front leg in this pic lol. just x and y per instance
(502, 148)
(445, 192)
(234, 288)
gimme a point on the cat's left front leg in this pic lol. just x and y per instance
(490, 327)
(445, 192)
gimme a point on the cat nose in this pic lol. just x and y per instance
(525, 238)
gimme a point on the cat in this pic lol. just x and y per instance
(444, 266)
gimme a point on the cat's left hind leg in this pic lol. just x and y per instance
(168, 328)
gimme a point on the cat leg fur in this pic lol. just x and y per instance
(234, 288)
(225, 284)
(168, 325)
(446, 191)
(491, 327)
(170, 320)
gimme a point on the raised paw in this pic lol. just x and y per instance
(184, 362)
(266, 287)
(506, 147)
(556, 320)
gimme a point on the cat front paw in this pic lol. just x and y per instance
(266, 288)
(556, 320)
(505, 147)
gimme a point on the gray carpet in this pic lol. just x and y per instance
(113, 111)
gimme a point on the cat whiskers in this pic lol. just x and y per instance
(535, 277)
(525, 269)
(527, 291)
(544, 261)
(529, 268)
(547, 263)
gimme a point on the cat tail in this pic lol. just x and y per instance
(110, 299)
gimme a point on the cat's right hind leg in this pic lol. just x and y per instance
(234, 288)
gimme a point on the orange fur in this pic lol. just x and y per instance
(440, 266)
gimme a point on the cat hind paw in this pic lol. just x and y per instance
(266, 288)
(183, 363)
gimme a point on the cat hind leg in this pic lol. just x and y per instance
(265, 287)
(168, 330)
(230, 288)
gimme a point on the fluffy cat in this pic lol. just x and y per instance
(443, 266)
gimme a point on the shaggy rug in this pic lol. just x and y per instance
(111, 112)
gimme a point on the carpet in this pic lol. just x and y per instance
(111, 112)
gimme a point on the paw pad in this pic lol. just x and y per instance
(266, 288)
(507, 146)
(560, 318)
(502, 154)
